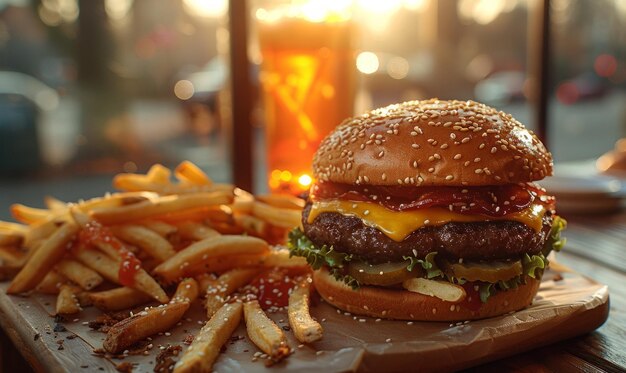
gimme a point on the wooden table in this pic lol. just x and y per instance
(596, 247)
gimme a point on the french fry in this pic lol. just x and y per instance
(192, 174)
(280, 217)
(282, 201)
(51, 283)
(12, 260)
(203, 252)
(136, 183)
(206, 346)
(29, 215)
(8, 270)
(118, 299)
(264, 333)
(116, 200)
(78, 273)
(109, 269)
(54, 204)
(223, 263)
(204, 281)
(6, 226)
(159, 174)
(243, 201)
(304, 327)
(43, 259)
(149, 241)
(67, 303)
(252, 224)
(12, 255)
(280, 258)
(161, 206)
(164, 229)
(275, 258)
(143, 324)
(195, 231)
(11, 239)
(106, 246)
(41, 230)
(225, 285)
(187, 291)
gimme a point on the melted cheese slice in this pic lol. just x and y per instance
(399, 224)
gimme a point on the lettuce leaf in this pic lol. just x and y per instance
(555, 241)
(428, 264)
(300, 245)
(534, 266)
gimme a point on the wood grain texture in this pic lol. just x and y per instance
(31, 329)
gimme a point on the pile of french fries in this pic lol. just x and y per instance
(127, 249)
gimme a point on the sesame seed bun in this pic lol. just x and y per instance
(433, 142)
(405, 305)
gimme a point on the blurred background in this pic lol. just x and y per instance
(90, 88)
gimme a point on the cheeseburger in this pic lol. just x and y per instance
(427, 210)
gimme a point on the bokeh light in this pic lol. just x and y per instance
(605, 65)
(305, 180)
(367, 62)
(398, 67)
(184, 89)
(206, 8)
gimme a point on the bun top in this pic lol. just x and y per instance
(432, 142)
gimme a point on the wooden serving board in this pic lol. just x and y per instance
(562, 309)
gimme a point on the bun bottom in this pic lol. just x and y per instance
(401, 304)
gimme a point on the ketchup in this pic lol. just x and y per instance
(495, 200)
(94, 233)
(472, 299)
(271, 287)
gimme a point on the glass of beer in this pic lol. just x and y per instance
(308, 78)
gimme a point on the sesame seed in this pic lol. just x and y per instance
(478, 171)
(415, 146)
(426, 222)
(493, 150)
(366, 212)
(457, 156)
(449, 177)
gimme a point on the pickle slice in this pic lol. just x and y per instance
(488, 272)
(380, 274)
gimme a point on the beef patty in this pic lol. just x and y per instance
(471, 241)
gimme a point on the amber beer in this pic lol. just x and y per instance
(308, 81)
